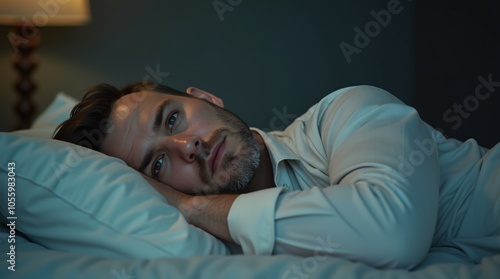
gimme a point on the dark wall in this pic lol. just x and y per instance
(271, 60)
(457, 68)
(268, 60)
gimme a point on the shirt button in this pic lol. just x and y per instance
(285, 185)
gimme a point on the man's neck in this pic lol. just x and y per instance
(264, 176)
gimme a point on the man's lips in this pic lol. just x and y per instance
(216, 155)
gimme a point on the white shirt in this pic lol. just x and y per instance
(358, 177)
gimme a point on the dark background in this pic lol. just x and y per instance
(456, 42)
(270, 59)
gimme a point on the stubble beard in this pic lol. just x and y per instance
(236, 171)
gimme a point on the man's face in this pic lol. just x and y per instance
(186, 143)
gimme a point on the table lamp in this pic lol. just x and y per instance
(27, 17)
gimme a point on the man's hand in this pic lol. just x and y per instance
(206, 212)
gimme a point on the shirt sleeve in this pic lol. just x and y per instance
(380, 206)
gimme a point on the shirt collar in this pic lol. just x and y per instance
(278, 151)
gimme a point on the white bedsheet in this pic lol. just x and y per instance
(34, 261)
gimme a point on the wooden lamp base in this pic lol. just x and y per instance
(26, 38)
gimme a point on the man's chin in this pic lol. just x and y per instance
(238, 186)
(227, 190)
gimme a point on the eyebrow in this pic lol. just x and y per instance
(156, 127)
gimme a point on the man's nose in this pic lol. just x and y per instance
(186, 147)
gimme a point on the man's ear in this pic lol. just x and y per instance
(198, 93)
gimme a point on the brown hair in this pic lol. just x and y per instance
(88, 123)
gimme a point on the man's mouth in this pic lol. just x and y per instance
(216, 155)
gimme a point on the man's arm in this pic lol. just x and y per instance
(375, 166)
(206, 212)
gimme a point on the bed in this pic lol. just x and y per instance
(75, 213)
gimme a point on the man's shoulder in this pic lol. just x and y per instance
(349, 102)
(359, 95)
(340, 106)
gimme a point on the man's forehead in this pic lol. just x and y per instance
(129, 103)
(130, 116)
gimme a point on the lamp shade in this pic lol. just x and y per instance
(44, 12)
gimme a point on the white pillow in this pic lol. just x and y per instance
(56, 112)
(71, 198)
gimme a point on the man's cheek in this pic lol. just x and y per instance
(184, 181)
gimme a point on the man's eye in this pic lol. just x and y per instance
(157, 166)
(171, 121)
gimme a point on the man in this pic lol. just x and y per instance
(358, 176)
